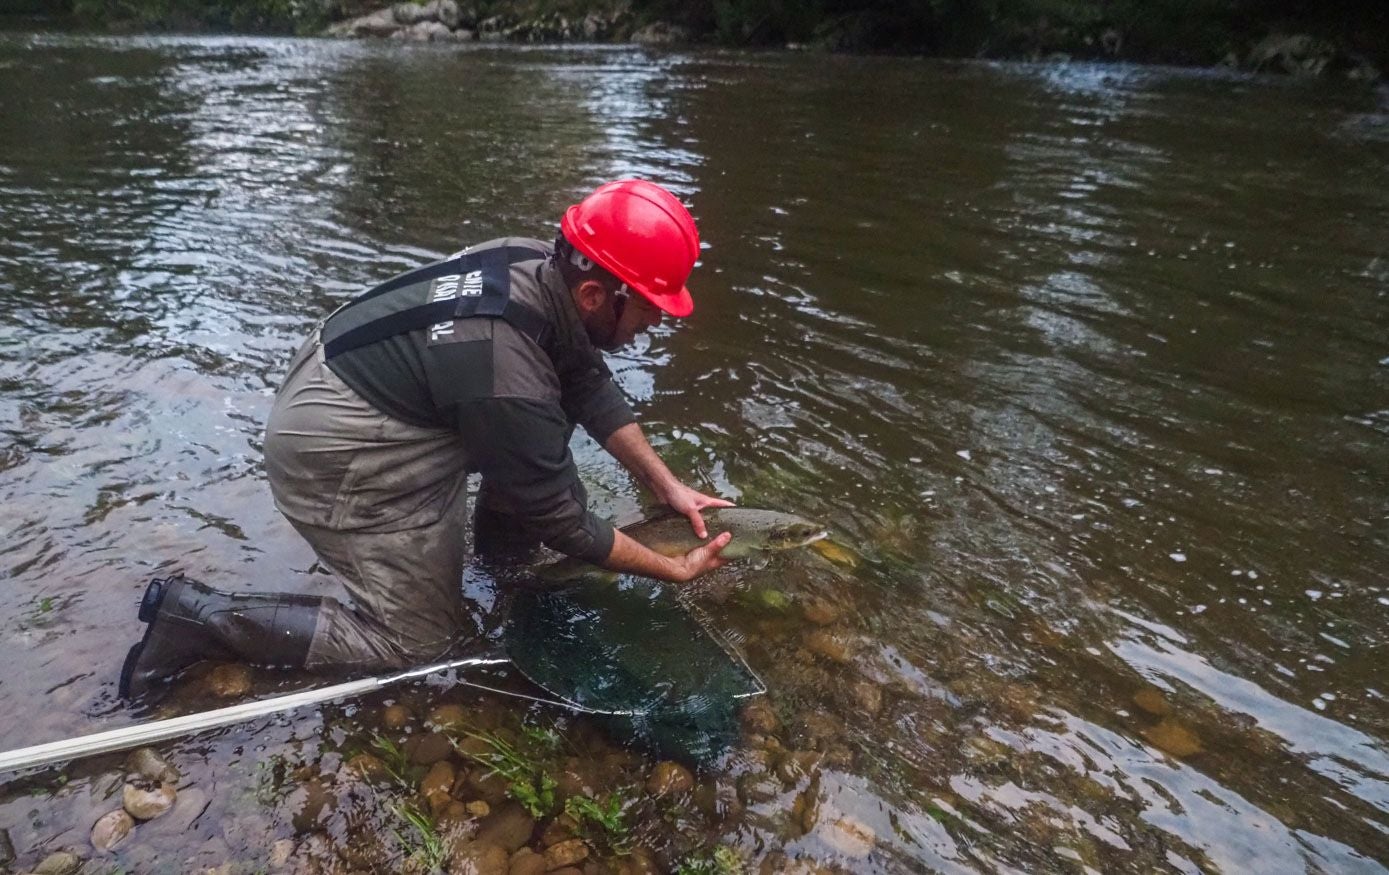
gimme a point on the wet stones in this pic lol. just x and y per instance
(508, 826)
(395, 717)
(150, 765)
(146, 800)
(819, 611)
(366, 767)
(848, 836)
(828, 645)
(527, 862)
(111, 829)
(479, 858)
(229, 680)
(866, 696)
(59, 863)
(754, 788)
(446, 717)
(429, 748)
(1173, 738)
(280, 853)
(1151, 700)
(565, 853)
(759, 718)
(668, 779)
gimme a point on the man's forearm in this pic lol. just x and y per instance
(629, 446)
(630, 557)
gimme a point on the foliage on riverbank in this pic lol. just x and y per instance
(1170, 31)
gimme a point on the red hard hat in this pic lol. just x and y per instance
(642, 235)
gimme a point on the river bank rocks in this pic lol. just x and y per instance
(451, 21)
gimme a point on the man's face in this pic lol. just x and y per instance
(621, 317)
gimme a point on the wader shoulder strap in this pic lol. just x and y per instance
(473, 284)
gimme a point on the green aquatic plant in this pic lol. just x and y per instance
(528, 782)
(425, 845)
(395, 760)
(722, 860)
(607, 816)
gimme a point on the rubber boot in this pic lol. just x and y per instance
(190, 621)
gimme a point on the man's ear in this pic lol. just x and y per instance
(590, 296)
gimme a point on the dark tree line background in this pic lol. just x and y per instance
(1174, 31)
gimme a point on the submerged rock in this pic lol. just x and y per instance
(280, 852)
(429, 748)
(479, 858)
(1171, 737)
(848, 836)
(830, 646)
(566, 853)
(149, 764)
(395, 716)
(508, 826)
(229, 680)
(1150, 699)
(111, 829)
(669, 778)
(367, 767)
(448, 717)
(147, 800)
(759, 718)
(819, 611)
(59, 863)
(526, 862)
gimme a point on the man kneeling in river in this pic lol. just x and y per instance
(481, 363)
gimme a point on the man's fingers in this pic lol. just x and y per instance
(697, 523)
(718, 502)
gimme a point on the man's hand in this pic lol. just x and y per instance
(628, 445)
(689, 502)
(630, 557)
(703, 559)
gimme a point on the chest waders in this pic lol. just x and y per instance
(188, 621)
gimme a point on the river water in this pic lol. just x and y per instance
(1086, 367)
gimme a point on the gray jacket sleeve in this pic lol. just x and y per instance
(591, 398)
(519, 446)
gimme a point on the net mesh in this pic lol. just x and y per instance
(637, 656)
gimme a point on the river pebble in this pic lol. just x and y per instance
(146, 801)
(479, 858)
(820, 611)
(59, 863)
(395, 717)
(448, 717)
(111, 829)
(280, 852)
(848, 836)
(439, 779)
(366, 767)
(759, 718)
(149, 764)
(867, 697)
(429, 748)
(229, 680)
(827, 644)
(1173, 738)
(508, 826)
(526, 862)
(566, 853)
(669, 778)
(1150, 699)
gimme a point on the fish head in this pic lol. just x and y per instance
(797, 533)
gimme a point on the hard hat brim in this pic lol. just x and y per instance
(679, 305)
